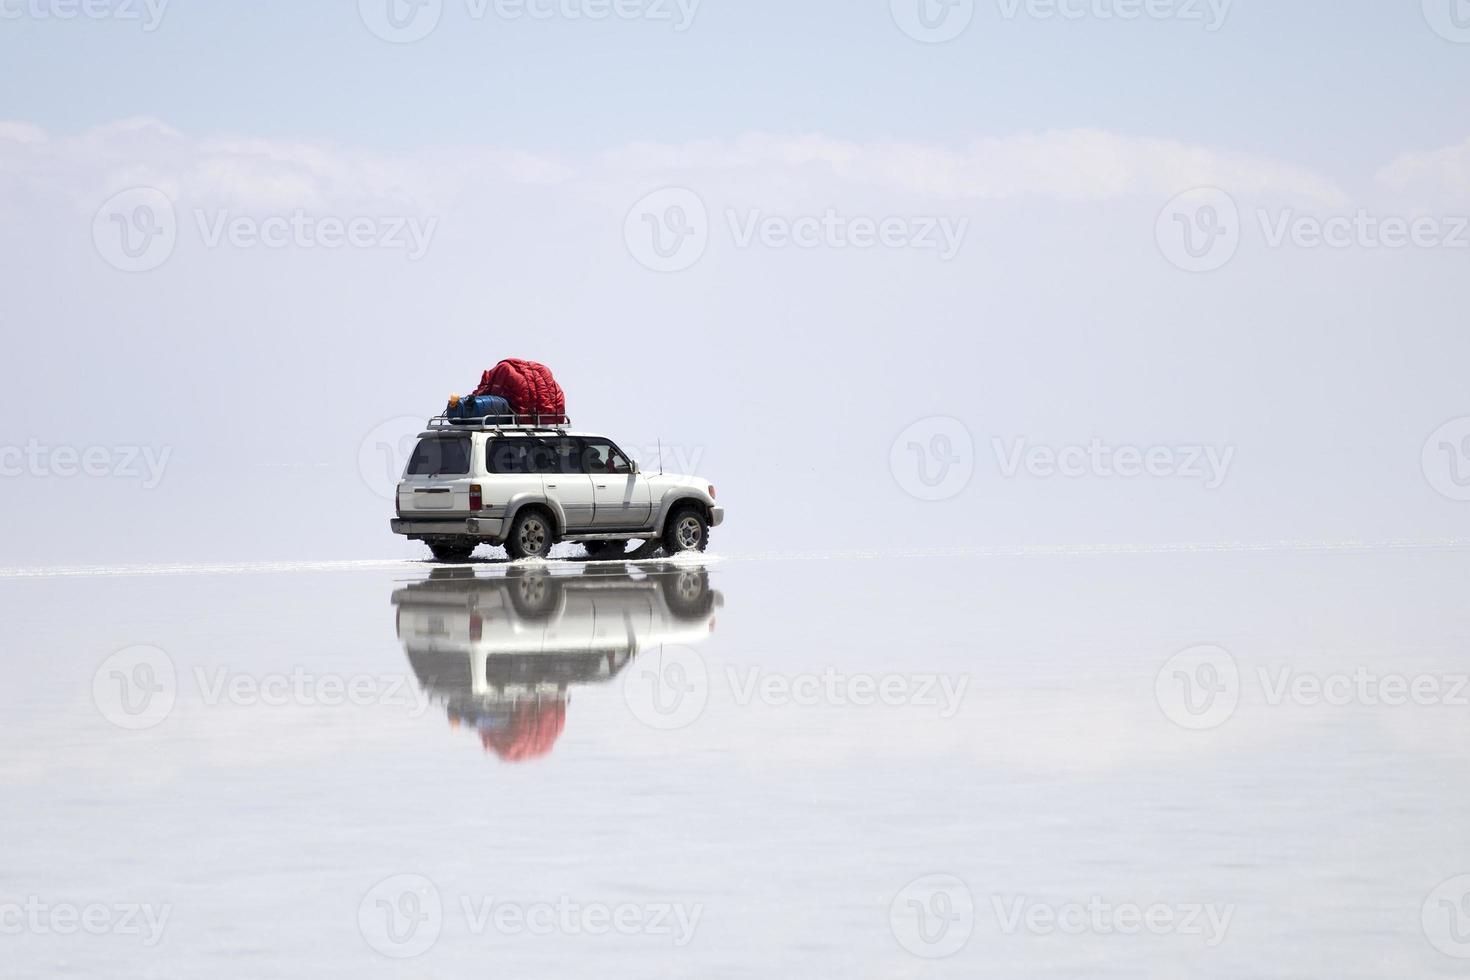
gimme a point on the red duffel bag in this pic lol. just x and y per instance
(528, 386)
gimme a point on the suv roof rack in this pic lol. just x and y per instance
(537, 422)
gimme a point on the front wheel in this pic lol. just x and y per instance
(686, 530)
(530, 535)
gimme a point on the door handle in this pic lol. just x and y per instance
(602, 486)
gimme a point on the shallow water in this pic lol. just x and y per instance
(867, 767)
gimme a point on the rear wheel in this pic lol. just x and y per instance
(605, 549)
(454, 551)
(685, 530)
(530, 535)
(534, 594)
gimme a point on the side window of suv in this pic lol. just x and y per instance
(545, 455)
(560, 455)
(510, 456)
(601, 456)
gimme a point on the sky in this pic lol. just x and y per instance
(889, 275)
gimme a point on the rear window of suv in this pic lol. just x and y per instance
(441, 456)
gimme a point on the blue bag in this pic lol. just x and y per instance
(473, 408)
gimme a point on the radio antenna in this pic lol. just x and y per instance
(660, 455)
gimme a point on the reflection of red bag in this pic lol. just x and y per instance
(533, 731)
(528, 386)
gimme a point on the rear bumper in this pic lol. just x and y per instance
(484, 527)
(450, 527)
(716, 516)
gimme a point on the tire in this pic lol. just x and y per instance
(534, 594)
(452, 551)
(531, 534)
(687, 593)
(604, 550)
(686, 530)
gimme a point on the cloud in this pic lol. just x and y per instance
(1436, 177)
(1068, 166)
(255, 174)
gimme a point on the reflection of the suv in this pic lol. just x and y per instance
(501, 651)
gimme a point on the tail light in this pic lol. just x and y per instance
(712, 493)
(398, 503)
(477, 499)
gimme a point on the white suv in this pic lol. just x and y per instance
(528, 487)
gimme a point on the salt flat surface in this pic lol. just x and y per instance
(858, 767)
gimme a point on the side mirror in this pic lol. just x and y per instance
(636, 468)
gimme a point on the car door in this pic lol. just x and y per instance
(508, 472)
(564, 480)
(622, 496)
